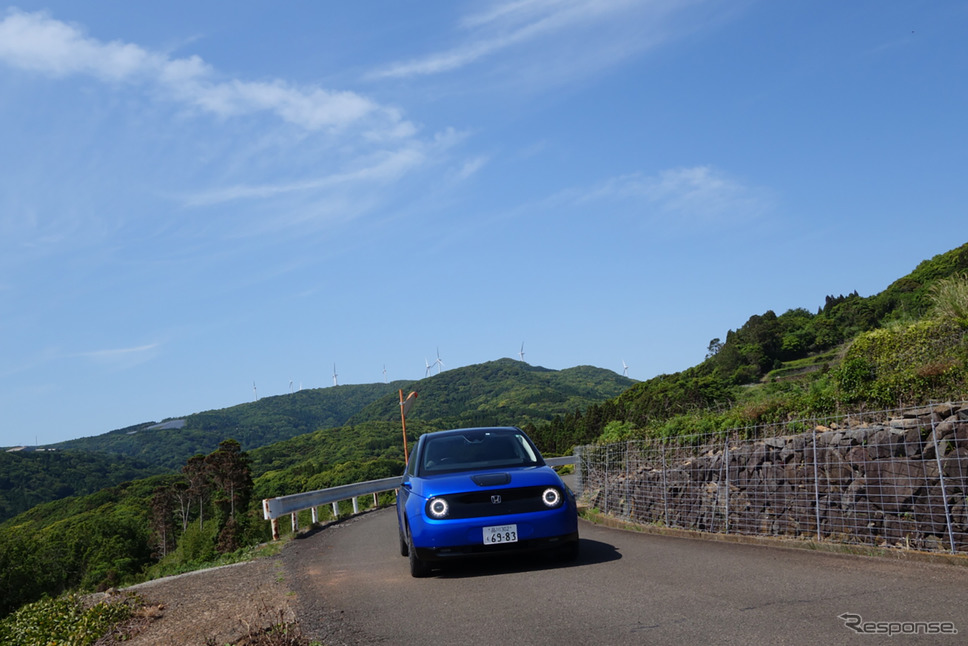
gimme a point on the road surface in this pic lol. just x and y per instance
(351, 586)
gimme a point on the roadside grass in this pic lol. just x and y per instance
(175, 567)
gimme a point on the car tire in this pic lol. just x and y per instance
(418, 568)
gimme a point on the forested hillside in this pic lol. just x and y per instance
(87, 465)
(501, 392)
(900, 347)
(29, 478)
(253, 424)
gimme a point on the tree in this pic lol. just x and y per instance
(714, 347)
(196, 472)
(228, 469)
(163, 520)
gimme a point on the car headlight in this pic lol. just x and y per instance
(551, 497)
(438, 508)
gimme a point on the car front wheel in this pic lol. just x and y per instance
(418, 568)
(404, 548)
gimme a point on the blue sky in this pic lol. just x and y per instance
(196, 197)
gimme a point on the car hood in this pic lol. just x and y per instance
(484, 480)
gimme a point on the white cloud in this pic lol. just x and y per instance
(38, 43)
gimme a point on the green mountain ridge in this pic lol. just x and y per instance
(497, 392)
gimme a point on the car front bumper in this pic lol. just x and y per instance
(436, 540)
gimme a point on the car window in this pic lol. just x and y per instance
(479, 449)
(412, 462)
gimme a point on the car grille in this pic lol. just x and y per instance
(477, 504)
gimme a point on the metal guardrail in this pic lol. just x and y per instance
(275, 508)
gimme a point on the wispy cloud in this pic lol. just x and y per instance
(696, 195)
(38, 43)
(471, 166)
(122, 357)
(503, 26)
(386, 167)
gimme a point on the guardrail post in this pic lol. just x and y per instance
(295, 522)
(315, 513)
(376, 500)
(275, 529)
(336, 510)
(356, 505)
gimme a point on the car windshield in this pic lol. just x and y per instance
(477, 449)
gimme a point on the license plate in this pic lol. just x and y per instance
(499, 534)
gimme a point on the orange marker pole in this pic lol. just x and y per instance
(404, 407)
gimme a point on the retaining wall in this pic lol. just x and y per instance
(902, 481)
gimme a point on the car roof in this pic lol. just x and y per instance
(475, 429)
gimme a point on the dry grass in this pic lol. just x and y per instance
(950, 298)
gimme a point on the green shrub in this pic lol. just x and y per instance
(62, 621)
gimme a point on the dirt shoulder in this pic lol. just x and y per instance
(216, 606)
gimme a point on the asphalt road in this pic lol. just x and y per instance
(353, 587)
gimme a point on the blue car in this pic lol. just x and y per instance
(479, 492)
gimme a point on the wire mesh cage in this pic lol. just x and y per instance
(895, 478)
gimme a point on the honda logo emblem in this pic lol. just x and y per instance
(495, 500)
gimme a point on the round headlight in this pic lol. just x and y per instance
(551, 497)
(438, 508)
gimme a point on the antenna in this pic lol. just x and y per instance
(521, 353)
(438, 362)
(625, 368)
(335, 381)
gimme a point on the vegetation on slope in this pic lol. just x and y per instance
(253, 424)
(29, 478)
(904, 346)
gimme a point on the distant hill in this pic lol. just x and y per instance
(501, 392)
(504, 391)
(497, 392)
(266, 421)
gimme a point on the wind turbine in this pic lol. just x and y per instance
(427, 374)
(290, 386)
(255, 393)
(385, 374)
(625, 368)
(438, 362)
(335, 382)
(521, 353)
